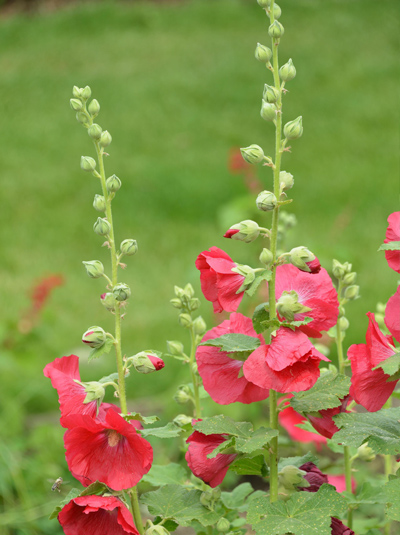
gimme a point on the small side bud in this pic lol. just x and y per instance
(108, 301)
(288, 305)
(182, 420)
(263, 53)
(76, 104)
(286, 180)
(199, 326)
(155, 529)
(121, 292)
(102, 227)
(350, 278)
(129, 247)
(266, 201)
(305, 260)
(94, 108)
(252, 154)
(88, 163)
(81, 117)
(113, 184)
(94, 392)
(343, 323)
(352, 292)
(287, 72)
(264, 3)
(182, 395)
(276, 30)
(99, 203)
(76, 92)
(223, 525)
(338, 269)
(94, 337)
(194, 303)
(86, 92)
(146, 362)
(105, 139)
(176, 302)
(266, 257)
(246, 231)
(277, 11)
(206, 498)
(290, 477)
(270, 94)
(293, 129)
(365, 453)
(175, 347)
(268, 111)
(185, 320)
(95, 131)
(94, 269)
(189, 291)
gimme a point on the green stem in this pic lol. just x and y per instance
(197, 406)
(388, 472)
(136, 510)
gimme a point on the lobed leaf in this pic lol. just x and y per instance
(327, 393)
(165, 475)
(297, 461)
(391, 246)
(143, 419)
(392, 492)
(234, 343)
(254, 466)
(265, 276)
(390, 366)
(236, 498)
(99, 351)
(260, 315)
(168, 431)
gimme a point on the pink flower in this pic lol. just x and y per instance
(108, 449)
(92, 515)
(314, 265)
(338, 528)
(339, 482)
(317, 293)
(289, 364)
(392, 315)
(371, 388)
(324, 423)
(393, 234)
(219, 283)
(289, 418)
(63, 373)
(211, 471)
(221, 373)
(231, 232)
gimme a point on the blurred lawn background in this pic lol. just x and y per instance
(178, 87)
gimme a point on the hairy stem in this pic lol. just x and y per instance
(197, 407)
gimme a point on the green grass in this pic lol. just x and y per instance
(179, 87)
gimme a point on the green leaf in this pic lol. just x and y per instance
(169, 525)
(73, 493)
(367, 494)
(234, 343)
(391, 246)
(222, 424)
(165, 475)
(168, 431)
(392, 491)
(305, 513)
(254, 466)
(390, 366)
(294, 324)
(97, 488)
(297, 461)
(236, 498)
(99, 351)
(179, 504)
(260, 315)
(143, 419)
(265, 276)
(381, 429)
(109, 378)
(327, 393)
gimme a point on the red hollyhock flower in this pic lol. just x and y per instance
(371, 388)
(317, 293)
(338, 528)
(63, 372)
(314, 476)
(94, 515)
(324, 423)
(220, 373)
(289, 364)
(219, 283)
(289, 418)
(108, 449)
(211, 471)
(393, 234)
(314, 265)
(392, 315)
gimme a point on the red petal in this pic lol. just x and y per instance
(392, 315)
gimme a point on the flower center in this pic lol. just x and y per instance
(113, 438)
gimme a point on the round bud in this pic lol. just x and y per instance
(266, 201)
(188, 291)
(276, 30)
(304, 259)
(146, 362)
(94, 337)
(175, 347)
(263, 53)
(81, 117)
(252, 154)
(293, 129)
(199, 326)
(129, 247)
(185, 320)
(86, 92)
(113, 183)
(343, 323)
(182, 395)
(108, 301)
(76, 92)
(121, 291)
(365, 453)
(352, 292)
(95, 131)
(264, 3)
(87, 163)
(277, 11)
(182, 420)
(105, 139)
(176, 303)
(76, 104)
(266, 257)
(99, 203)
(206, 498)
(268, 111)
(194, 303)
(288, 71)
(350, 278)
(223, 525)
(270, 94)
(94, 108)
(338, 269)
(94, 268)
(155, 529)
(286, 180)
(216, 493)
(102, 227)
(290, 476)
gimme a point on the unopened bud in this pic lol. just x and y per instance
(252, 154)
(288, 305)
(223, 525)
(81, 117)
(95, 131)
(87, 163)
(113, 183)
(105, 139)
(175, 347)
(146, 362)
(76, 92)
(216, 493)
(108, 301)
(246, 231)
(352, 292)
(155, 529)
(342, 311)
(188, 291)
(176, 302)
(266, 257)
(94, 337)
(94, 392)
(206, 498)
(381, 308)
(129, 247)
(102, 227)
(343, 323)
(290, 477)
(286, 180)
(99, 203)
(76, 104)
(185, 320)
(194, 303)
(263, 53)
(199, 326)
(266, 201)
(182, 420)
(179, 292)
(264, 3)
(94, 268)
(350, 278)
(365, 453)
(277, 11)
(94, 108)
(268, 111)
(182, 395)
(276, 30)
(338, 269)
(293, 129)
(304, 259)
(270, 94)
(288, 71)
(86, 92)
(121, 291)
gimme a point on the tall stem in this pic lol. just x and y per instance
(197, 407)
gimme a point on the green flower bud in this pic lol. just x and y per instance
(246, 231)
(94, 108)
(288, 71)
(290, 477)
(108, 300)
(277, 11)
(381, 308)
(155, 529)
(76, 92)
(288, 305)
(338, 269)
(146, 362)
(188, 291)
(343, 323)
(176, 303)
(263, 53)
(94, 337)
(206, 498)
(121, 291)
(94, 268)
(185, 320)
(129, 247)
(76, 104)
(268, 111)
(105, 139)
(86, 92)
(266, 201)
(87, 163)
(365, 453)
(182, 395)
(216, 494)
(293, 129)
(266, 257)
(199, 326)
(342, 311)
(352, 292)
(194, 303)
(179, 292)
(264, 3)
(102, 227)
(182, 420)
(99, 203)
(175, 347)
(286, 180)
(95, 131)
(304, 260)
(270, 94)
(223, 525)
(276, 30)
(350, 278)
(113, 183)
(81, 117)
(94, 392)
(252, 154)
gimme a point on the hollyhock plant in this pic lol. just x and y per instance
(392, 315)
(314, 476)
(289, 419)
(211, 471)
(221, 373)
(289, 364)
(317, 293)
(108, 449)
(393, 234)
(219, 283)
(371, 387)
(93, 515)
(324, 423)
